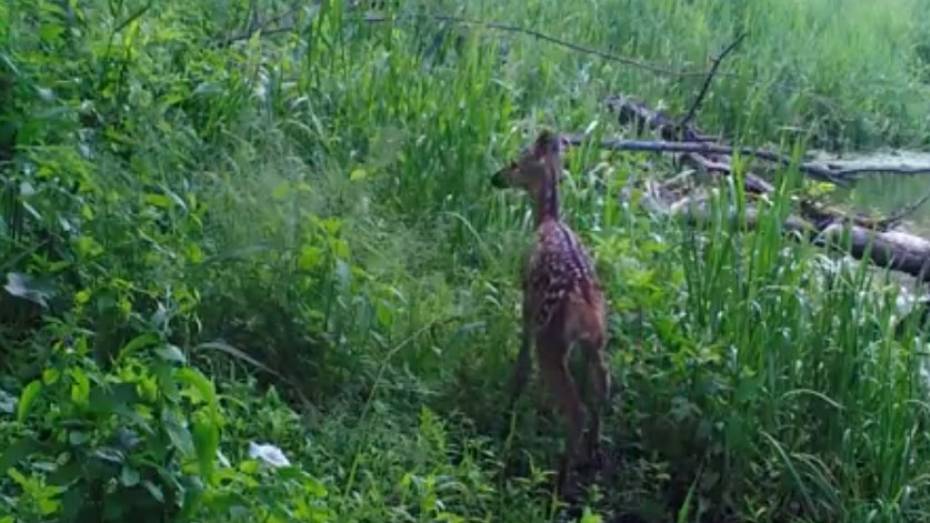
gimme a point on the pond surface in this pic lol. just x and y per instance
(886, 194)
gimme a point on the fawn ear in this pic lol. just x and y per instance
(563, 144)
(549, 143)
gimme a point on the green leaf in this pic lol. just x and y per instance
(82, 297)
(310, 258)
(154, 490)
(129, 476)
(199, 388)
(50, 32)
(384, 313)
(66, 473)
(195, 253)
(206, 443)
(18, 477)
(179, 435)
(76, 437)
(50, 376)
(157, 200)
(139, 342)
(315, 488)
(340, 248)
(29, 395)
(332, 226)
(48, 506)
(171, 353)
(110, 454)
(590, 517)
(26, 287)
(358, 174)
(18, 451)
(113, 399)
(80, 389)
(87, 247)
(281, 190)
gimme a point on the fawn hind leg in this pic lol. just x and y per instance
(553, 365)
(599, 376)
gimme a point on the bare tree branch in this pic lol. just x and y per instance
(905, 211)
(898, 251)
(708, 79)
(752, 182)
(254, 26)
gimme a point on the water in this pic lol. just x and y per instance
(882, 195)
(886, 194)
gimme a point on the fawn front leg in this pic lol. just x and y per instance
(553, 364)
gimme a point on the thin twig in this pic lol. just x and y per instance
(707, 80)
(132, 17)
(510, 28)
(905, 211)
(263, 27)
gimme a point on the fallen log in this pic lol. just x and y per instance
(813, 170)
(705, 87)
(752, 182)
(863, 238)
(896, 250)
(633, 112)
(688, 138)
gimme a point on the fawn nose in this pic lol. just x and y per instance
(497, 179)
(500, 179)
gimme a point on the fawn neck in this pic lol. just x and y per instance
(547, 199)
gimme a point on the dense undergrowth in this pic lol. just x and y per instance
(290, 238)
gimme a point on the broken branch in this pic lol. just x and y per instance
(905, 211)
(630, 111)
(264, 27)
(895, 250)
(705, 87)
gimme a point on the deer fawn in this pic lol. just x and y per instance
(562, 301)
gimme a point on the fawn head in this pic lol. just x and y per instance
(540, 163)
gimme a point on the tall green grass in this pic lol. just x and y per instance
(308, 213)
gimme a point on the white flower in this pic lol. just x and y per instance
(269, 454)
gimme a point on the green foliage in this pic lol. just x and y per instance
(210, 237)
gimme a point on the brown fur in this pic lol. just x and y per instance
(563, 302)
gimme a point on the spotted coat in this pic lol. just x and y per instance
(558, 269)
